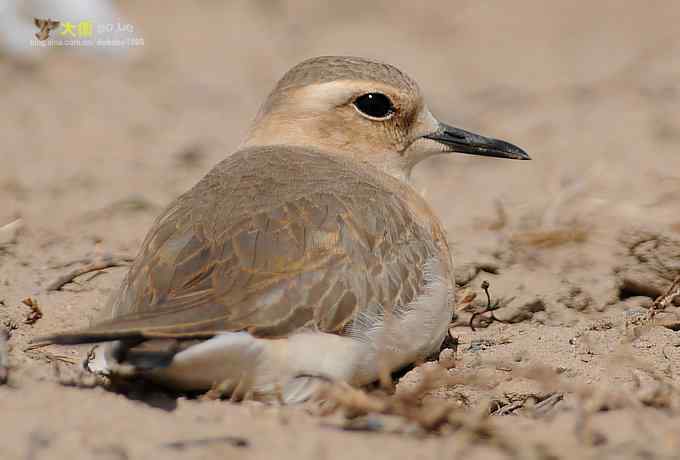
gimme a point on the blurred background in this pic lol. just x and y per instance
(95, 141)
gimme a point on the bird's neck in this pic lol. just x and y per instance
(390, 163)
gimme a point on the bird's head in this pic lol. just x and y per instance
(364, 109)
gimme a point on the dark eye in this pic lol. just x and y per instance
(374, 105)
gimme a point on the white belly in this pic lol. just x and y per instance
(410, 334)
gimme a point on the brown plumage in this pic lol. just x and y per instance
(291, 248)
(306, 252)
(325, 69)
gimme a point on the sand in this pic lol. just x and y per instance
(575, 244)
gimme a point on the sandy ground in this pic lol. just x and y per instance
(575, 244)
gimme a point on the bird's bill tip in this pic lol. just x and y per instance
(461, 141)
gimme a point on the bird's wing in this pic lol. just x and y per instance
(270, 242)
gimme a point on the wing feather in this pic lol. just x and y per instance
(274, 240)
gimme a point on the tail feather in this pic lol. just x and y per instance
(95, 335)
(82, 336)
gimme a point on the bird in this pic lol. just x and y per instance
(305, 256)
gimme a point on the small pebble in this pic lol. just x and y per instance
(447, 358)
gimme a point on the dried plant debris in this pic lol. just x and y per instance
(550, 238)
(533, 405)
(651, 261)
(234, 441)
(490, 307)
(48, 357)
(35, 313)
(503, 310)
(96, 263)
(10, 326)
(669, 297)
(9, 232)
(407, 406)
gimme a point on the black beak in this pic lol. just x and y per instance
(459, 140)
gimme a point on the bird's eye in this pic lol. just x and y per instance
(374, 105)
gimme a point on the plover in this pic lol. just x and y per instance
(304, 256)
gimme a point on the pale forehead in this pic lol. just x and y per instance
(335, 68)
(319, 96)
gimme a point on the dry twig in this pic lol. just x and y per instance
(10, 326)
(10, 231)
(550, 238)
(490, 308)
(99, 263)
(663, 301)
(534, 405)
(235, 441)
(35, 314)
(50, 357)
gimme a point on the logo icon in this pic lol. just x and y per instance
(45, 26)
